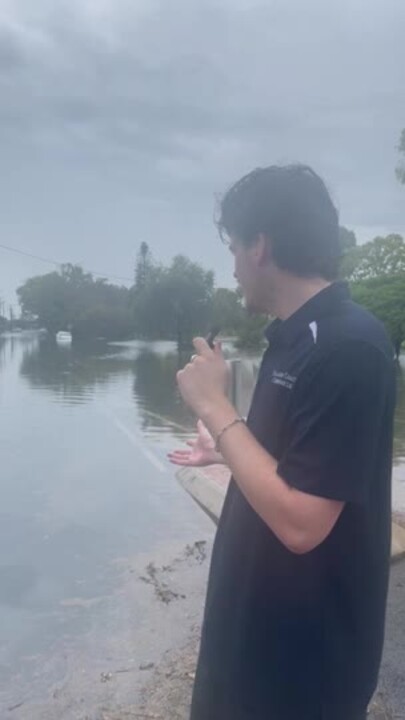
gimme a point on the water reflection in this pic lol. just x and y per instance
(74, 374)
(77, 374)
(82, 492)
(10, 343)
(77, 490)
(156, 394)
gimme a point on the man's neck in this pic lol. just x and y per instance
(293, 293)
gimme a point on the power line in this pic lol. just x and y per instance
(58, 264)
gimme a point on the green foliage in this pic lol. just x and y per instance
(251, 332)
(401, 167)
(381, 256)
(227, 310)
(376, 272)
(179, 302)
(144, 268)
(174, 302)
(104, 322)
(385, 297)
(46, 297)
(230, 315)
(347, 239)
(72, 300)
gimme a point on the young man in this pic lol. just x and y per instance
(294, 617)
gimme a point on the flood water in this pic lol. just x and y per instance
(85, 485)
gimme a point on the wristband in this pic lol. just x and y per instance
(224, 429)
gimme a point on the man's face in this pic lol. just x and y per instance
(248, 273)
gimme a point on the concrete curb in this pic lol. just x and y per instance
(398, 542)
(205, 490)
(208, 486)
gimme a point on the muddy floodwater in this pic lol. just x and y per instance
(103, 557)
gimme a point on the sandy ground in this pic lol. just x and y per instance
(103, 672)
(147, 673)
(167, 695)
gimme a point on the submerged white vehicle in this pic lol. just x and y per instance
(64, 338)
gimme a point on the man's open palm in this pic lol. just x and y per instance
(202, 451)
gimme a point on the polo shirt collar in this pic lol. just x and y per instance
(323, 303)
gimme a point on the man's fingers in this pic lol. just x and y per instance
(179, 460)
(202, 347)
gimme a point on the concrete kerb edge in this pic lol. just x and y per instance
(210, 495)
(398, 542)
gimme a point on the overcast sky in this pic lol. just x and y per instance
(121, 120)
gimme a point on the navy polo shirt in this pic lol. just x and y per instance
(299, 637)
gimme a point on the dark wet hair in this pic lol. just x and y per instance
(292, 207)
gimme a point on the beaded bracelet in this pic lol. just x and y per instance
(224, 429)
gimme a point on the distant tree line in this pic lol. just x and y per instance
(180, 300)
(168, 302)
(72, 300)
(376, 272)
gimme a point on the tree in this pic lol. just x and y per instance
(376, 272)
(175, 302)
(379, 257)
(103, 321)
(385, 297)
(401, 167)
(227, 310)
(347, 239)
(72, 300)
(144, 267)
(45, 297)
(3, 320)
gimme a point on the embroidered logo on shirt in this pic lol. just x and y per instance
(313, 326)
(283, 378)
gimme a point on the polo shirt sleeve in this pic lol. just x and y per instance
(338, 411)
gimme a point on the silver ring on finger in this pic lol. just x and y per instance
(193, 357)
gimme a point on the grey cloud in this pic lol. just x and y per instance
(11, 56)
(199, 71)
(166, 103)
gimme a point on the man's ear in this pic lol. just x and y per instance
(263, 250)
